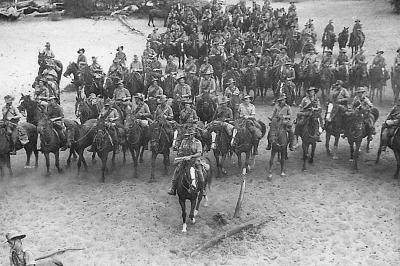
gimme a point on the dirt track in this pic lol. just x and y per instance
(327, 215)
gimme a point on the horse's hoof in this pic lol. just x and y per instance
(195, 213)
(283, 174)
(193, 221)
(60, 171)
(184, 228)
(311, 161)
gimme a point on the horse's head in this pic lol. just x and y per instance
(26, 103)
(41, 57)
(72, 68)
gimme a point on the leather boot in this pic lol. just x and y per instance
(291, 140)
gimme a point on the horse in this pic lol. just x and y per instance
(279, 143)
(135, 140)
(394, 144)
(205, 108)
(30, 109)
(186, 191)
(356, 42)
(326, 79)
(220, 144)
(158, 12)
(169, 85)
(160, 143)
(289, 89)
(263, 81)
(84, 111)
(249, 79)
(328, 40)
(217, 63)
(5, 149)
(103, 145)
(333, 127)
(377, 78)
(85, 78)
(42, 66)
(206, 27)
(243, 142)
(359, 77)
(356, 130)
(180, 52)
(395, 81)
(81, 137)
(343, 74)
(343, 37)
(305, 129)
(50, 142)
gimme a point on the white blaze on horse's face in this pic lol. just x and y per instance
(233, 136)
(175, 137)
(213, 137)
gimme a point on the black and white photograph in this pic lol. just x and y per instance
(199, 132)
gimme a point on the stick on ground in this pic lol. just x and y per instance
(237, 229)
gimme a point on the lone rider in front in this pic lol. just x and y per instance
(390, 125)
(14, 131)
(190, 149)
(224, 114)
(283, 114)
(56, 114)
(122, 97)
(362, 101)
(247, 111)
(341, 98)
(311, 103)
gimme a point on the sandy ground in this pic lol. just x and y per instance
(325, 216)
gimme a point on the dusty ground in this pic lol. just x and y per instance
(326, 216)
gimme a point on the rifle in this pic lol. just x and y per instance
(59, 252)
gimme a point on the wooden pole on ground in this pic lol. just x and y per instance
(241, 196)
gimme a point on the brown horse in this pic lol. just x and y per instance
(394, 144)
(220, 144)
(395, 80)
(42, 66)
(279, 143)
(160, 143)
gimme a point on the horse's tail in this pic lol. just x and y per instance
(263, 128)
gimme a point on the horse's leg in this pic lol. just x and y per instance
(94, 157)
(35, 151)
(239, 155)
(183, 207)
(141, 155)
(46, 156)
(134, 154)
(247, 162)
(113, 161)
(28, 152)
(192, 208)
(305, 152)
(218, 164)
(397, 155)
(327, 140)
(166, 162)
(223, 158)
(313, 146)
(282, 160)
(271, 163)
(351, 151)
(153, 164)
(148, 24)
(69, 158)
(8, 163)
(104, 158)
(124, 154)
(335, 147)
(356, 155)
(57, 161)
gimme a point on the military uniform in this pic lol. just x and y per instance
(121, 56)
(163, 113)
(188, 116)
(148, 51)
(136, 66)
(342, 59)
(283, 115)
(392, 122)
(121, 94)
(206, 67)
(155, 91)
(171, 68)
(249, 112)
(81, 61)
(56, 114)
(366, 105)
(207, 84)
(14, 130)
(281, 59)
(180, 90)
(327, 61)
(231, 90)
(359, 59)
(97, 70)
(48, 53)
(379, 61)
(305, 105)
(249, 59)
(329, 28)
(190, 67)
(42, 94)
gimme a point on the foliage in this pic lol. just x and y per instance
(78, 8)
(396, 5)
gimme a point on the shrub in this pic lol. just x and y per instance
(79, 8)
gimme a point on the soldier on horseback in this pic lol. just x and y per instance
(136, 65)
(359, 59)
(390, 126)
(171, 68)
(154, 89)
(397, 59)
(188, 115)
(116, 70)
(81, 61)
(190, 66)
(283, 114)
(122, 97)
(362, 101)
(207, 84)
(42, 93)
(164, 114)
(329, 27)
(142, 113)
(148, 51)
(231, 89)
(340, 99)
(249, 59)
(111, 117)
(121, 55)
(357, 26)
(48, 53)
(11, 118)
(282, 58)
(310, 58)
(206, 67)
(56, 114)
(342, 58)
(310, 106)
(181, 88)
(224, 114)
(190, 149)
(98, 73)
(327, 60)
(379, 61)
(247, 111)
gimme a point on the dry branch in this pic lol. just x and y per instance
(237, 229)
(125, 23)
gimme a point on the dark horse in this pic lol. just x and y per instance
(159, 12)
(356, 130)
(359, 77)
(84, 111)
(328, 40)
(186, 191)
(279, 143)
(243, 142)
(306, 130)
(160, 143)
(395, 81)
(205, 108)
(81, 137)
(394, 144)
(42, 66)
(220, 144)
(377, 77)
(356, 42)
(333, 127)
(85, 77)
(5, 149)
(136, 140)
(343, 37)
